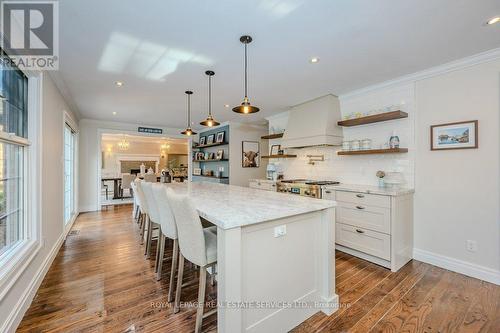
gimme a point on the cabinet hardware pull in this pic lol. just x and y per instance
(328, 191)
(273, 185)
(359, 207)
(360, 195)
(360, 231)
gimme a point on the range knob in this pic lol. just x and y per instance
(307, 192)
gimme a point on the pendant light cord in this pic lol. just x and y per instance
(189, 111)
(246, 95)
(210, 95)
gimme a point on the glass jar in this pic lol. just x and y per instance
(366, 144)
(355, 145)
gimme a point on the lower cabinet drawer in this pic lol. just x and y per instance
(266, 186)
(370, 242)
(366, 217)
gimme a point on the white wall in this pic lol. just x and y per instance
(90, 155)
(239, 132)
(18, 299)
(457, 191)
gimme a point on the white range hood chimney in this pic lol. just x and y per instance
(314, 123)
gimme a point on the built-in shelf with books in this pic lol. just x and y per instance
(211, 155)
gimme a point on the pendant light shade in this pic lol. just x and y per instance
(188, 131)
(210, 121)
(245, 106)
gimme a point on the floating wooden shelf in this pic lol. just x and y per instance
(373, 151)
(212, 160)
(210, 176)
(280, 156)
(211, 145)
(272, 136)
(374, 118)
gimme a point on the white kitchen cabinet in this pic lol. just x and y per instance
(263, 184)
(374, 224)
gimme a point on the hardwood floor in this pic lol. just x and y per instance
(101, 282)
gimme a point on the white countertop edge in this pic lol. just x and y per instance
(225, 225)
(369, 189)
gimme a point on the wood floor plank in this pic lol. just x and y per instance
(100, 281)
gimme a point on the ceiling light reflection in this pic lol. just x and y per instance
(127, 54)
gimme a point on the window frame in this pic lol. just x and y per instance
(16, 260)
(69, 122)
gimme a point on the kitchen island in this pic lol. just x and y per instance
(275, 255)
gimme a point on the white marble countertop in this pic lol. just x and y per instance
(368, 189)
(229, 206)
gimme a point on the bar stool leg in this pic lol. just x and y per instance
(159, 254)
(201, 298)
(175, 255)
(148, 238)
(179, 283)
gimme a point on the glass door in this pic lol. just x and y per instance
(69, 173)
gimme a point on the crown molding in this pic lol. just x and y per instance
(455, 65)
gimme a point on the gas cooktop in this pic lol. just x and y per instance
(311, 182)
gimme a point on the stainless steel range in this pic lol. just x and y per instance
(304, 187)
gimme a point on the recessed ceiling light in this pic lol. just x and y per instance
(314, 60)
(114, 113)
(494, 20)
(226, 105)
(118, 83)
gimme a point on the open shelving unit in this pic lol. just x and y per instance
(280, 156)
(213, 160)
(210, 176)
(215, 144)
(272, 136)
(373, 151)
(376, 118)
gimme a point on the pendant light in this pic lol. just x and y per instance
(210, 121)
(188, 131)
(245, 107)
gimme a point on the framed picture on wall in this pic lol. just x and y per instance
(210, 139)
(250, 154)
(220, 137)
(203, 140)
(459, 135)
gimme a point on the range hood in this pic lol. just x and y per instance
(314, 123)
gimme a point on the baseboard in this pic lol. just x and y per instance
(459, 266)
(17, 313)
(89, 208)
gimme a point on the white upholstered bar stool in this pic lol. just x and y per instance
(196, 244)
(168, 229)
(137, 202)
(143, 215)
(153, 216)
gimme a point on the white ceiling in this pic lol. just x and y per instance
(161, 48)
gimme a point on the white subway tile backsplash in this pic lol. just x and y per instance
(361, 169)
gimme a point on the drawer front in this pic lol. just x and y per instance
(364, 199)
(367, 241)
(266, 186)
(368, 217)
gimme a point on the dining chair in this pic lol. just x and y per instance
(125, 184)
(150, 177)
(196, 244)
(153, 216)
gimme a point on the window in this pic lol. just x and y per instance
(69, 173)
(13, 156)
